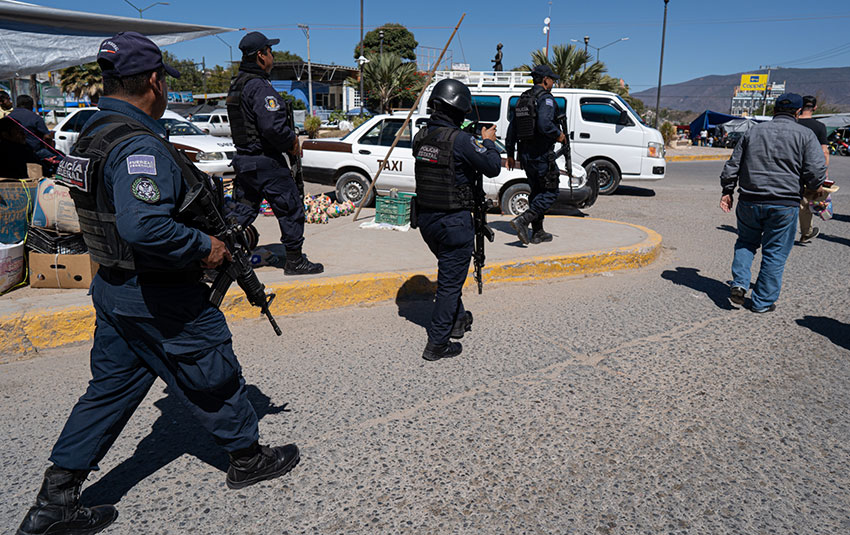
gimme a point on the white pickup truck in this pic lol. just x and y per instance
(350, 163)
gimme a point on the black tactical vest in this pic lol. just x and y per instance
(525, 114)
(83, 172)
(243, 132)
(436, 185)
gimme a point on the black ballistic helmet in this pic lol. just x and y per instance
(452, 93)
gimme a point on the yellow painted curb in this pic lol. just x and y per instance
(25, 334)
(699, 158)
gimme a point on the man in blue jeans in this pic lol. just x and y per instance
(772, 165)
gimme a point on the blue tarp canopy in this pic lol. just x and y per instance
(708, 120)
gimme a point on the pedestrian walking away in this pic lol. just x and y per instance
(807, 231)
(448, 169)
(153, 313)
(265, 139)
(771, 165)
(534, 131)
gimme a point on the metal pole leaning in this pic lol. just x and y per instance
(398, 134)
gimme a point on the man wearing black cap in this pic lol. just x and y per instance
(153, 315)
(264, 139)
(770, 165)
(810, 104)
(535, 128)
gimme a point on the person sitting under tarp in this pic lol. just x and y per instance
(14, 151)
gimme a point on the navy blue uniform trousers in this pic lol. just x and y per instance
(182, 344)
(259, 177)
(541, 197)
(450, 236)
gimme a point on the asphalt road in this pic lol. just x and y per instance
(632, 402)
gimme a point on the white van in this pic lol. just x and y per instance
(603, 128)
(214, 123)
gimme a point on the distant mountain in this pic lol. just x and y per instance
(714, 92)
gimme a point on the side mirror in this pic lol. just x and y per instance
(624, 119)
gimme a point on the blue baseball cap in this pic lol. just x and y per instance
(545, 70)
(254, 42)
(789, 102)
(129, 53)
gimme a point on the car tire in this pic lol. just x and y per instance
(515, 199)
(609, 176)
(352, 186)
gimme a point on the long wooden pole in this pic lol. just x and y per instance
(383, 163)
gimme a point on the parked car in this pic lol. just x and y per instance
(350, 162)
(604, 130)
(210, 154)
(215, 123)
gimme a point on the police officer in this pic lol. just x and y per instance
(448, 168)
(263, 136)
(535, 128)
(153, 315)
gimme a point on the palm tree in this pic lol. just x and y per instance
(386, 78)
(83, 80)
(569, 62)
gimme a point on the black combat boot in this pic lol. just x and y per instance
(57, 508)
(444, 351)
(520, 225)
(463, 324)
(299, 265)
(259, 463)
(540, 236)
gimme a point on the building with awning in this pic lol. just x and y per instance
(329, 89)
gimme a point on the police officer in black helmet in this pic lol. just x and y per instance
(535, 128)
(449, 165)
(263, 137)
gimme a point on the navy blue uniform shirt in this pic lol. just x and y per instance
(146, 187)
(471, 156)
(262, 106)
(34, 123)
(546, 132)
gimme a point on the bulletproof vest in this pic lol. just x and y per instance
(525, 114)
(243, 131)
(436, 184)
(83, 172)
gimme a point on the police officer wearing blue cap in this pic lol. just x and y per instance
(153, 315)
(535, 129)
(448, 168)
(263, 135)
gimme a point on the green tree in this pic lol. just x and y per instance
(82, 80)
(568, 62)
(191, 78)
(386, 79)
(218, 78)
(398, 41)
(292, 101)
(668, 132)
(312, 124)
(285, 55)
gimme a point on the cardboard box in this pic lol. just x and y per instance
(61, 270)
(54, 208)
(16, 201)
(12, 270)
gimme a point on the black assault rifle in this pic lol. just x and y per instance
(479, 214)
(565, 146)
(200, 207)
(295, 160)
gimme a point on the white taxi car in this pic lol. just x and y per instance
(211, 154)
(350, 163)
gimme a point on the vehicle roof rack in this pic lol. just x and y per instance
(481, 79)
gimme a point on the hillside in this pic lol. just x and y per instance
(714, 92)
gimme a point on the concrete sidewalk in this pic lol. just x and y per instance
(361, 266)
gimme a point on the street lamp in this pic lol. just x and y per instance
(598, 48)
(227, 45)
(660, 66)
(381, 35)
(306, 29)
(145, 9)
(547, 21)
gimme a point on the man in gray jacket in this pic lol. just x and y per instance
(771, 165)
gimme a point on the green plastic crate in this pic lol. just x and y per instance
(393, 210)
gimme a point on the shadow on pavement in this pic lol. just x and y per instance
(717, 291)
(634, 191)
(841, 217)
(174, 434)
(834, 239)
(837, 332)
(728, 228)
(415, 300)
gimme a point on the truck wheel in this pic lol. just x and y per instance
(352, 186)
(609, 176)
(515, 199)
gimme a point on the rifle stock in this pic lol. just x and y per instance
(482, 231)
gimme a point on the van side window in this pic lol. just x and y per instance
(384, 133)
(561, 102)
(214, 119)
(224, 119)
(485, 108)
(78, 121)
(599, 110)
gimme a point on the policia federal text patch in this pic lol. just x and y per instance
(145, 189)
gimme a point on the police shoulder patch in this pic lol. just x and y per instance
(272, 104)
(479, 146)
(549, 102)
(145, 189)
(141, 164)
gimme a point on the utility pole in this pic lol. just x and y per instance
(362, 96)
(204, 76)
(586, 42)
(548, 29)
(661, 65)
(306, 29)
(766, 86)
(381, 35)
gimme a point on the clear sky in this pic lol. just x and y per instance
(703, 37)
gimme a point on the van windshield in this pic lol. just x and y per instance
(636, 114)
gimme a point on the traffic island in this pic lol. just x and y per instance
(355, 274)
